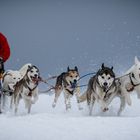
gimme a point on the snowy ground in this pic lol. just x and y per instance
(46, 123)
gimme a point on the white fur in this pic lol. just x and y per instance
(135, 69)
(126, 84)
(24, 69)
(10, 79)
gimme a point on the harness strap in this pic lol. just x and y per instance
(30, 90)
(134, 85)
(71, 92)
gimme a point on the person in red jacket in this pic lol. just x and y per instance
(4, 52)
(4, 55)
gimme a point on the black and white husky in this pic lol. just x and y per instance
(27, 88)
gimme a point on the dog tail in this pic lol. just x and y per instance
(83, 97)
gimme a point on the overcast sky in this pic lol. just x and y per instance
(53, 34)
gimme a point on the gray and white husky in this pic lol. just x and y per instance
(103, 88)
(27, 87)
(128, 83)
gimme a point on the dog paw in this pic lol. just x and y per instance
(54, 105)
(68, 106)
(105, 109)
(80, 108)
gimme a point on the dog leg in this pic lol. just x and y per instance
(91, 104)
(29, 106)
(12, 100)
(67, 100)
(122, 105)
(35, 96)
(108, 101)
(57, 94)
(127, 96)
(77, 97)
(138, 91)
(83, 97)
(16, 103)
(3, 100)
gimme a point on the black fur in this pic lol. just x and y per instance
(106, 70)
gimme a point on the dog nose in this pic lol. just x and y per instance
(105, 83)
(35, 75)
(75, 80)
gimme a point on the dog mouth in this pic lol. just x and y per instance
(73, 84)
(105, 88)
(34, 78)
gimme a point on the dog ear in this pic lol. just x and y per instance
(103, 66)
(68, 69)
(136, 60)
(112, 68)
(76, 69)
(29, 67)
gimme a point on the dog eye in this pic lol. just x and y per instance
(31, 71)
(108, 78)
(14, 78)
(103, 77)
(71, 76)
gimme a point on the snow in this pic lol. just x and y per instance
(46, 123)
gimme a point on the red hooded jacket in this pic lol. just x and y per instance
(4, 47)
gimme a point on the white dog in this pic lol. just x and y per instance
(9, 80)
(132, 81)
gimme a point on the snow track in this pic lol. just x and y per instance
(46, 123)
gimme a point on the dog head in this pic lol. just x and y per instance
(72, 75)
(33, 73)
(105, 77)
(11, 77)
(136, 70)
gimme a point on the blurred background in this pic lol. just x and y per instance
(54, 34)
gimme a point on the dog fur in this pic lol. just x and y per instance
(103, 88)
(67, 82)
(9, 80)
(27, 88)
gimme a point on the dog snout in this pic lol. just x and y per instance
(35, 75)
(105, 84)
(75, 81)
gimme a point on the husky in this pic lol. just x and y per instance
(119, 87)
(27, 87)
(131, 81)
(128, 83)
(67, 82)
(102, 87)
(9, 80)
